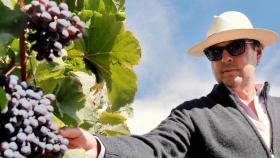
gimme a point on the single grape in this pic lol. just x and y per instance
(46, 16)
(13, 146)
(10, 128)
(28, 130)
(5, 145)
(65, 33)
(49, 147)
(54, 11)
(63, 6)
(8, 153)
(25, 150)
(65, 14)
(57, 46)
(56, 148)
(21, 137)
(51, 97)
(42, 119)
(61, 23)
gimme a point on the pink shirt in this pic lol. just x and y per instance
(260, 119)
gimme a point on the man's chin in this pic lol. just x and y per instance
(233, 82)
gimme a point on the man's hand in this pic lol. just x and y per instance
(78, 138)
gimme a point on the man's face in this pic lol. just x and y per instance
(238, 70)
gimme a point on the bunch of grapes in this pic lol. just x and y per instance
(27, 128)
(52, 27)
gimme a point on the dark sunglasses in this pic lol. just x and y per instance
(235, 48)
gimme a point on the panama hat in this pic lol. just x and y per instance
(232, 25)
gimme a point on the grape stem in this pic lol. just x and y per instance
(11, 67)
(20, 3)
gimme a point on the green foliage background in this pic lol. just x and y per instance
(95, 82)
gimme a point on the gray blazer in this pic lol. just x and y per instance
(213, 126)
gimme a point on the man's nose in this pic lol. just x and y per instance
(226, 57)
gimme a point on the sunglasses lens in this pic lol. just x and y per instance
(236, 48)
(213, 53)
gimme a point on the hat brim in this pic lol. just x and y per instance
(266, 38)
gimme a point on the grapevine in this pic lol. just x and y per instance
(101, 60)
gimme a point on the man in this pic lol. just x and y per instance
(237, 119)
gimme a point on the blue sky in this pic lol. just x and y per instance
(165, 30)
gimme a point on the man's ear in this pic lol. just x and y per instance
(259, 53)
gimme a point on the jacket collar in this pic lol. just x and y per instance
(221, 94)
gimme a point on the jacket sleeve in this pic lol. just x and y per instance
(170, 139)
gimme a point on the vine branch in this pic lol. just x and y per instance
(22, 57)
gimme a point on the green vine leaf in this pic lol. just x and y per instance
(112, 51)
(11, 21)
(111, 118)
(69, 100)
(10, 3)
(115, 130)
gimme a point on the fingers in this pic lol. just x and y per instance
(78, 138)
(71, 132)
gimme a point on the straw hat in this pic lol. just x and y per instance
(232, 25)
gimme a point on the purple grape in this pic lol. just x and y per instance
(18, 155)
(13, 146)
(26, 122)
(5, 145)
(54, 11)
(21, 137)
(40, 8)
(25, 150)
(65, 14)
(42, 119)
(57, 46)
(49, 147)
(61, 24)
(13, 120)
(10, 128)
(46, 16)
(56, 148)
(54, 36)
(75, 20)
(8, 153)
(65, 33)
(53, 127)
(50, 108)
(80, 25)
(41, 109)
(63, 6)
(34, 123)
(35, 3)
(28, 130)
(51, 4)
(23, 113)
(51, 97)
(44, 130)
(63, 147)
(44, 2)
(72, 30)
(52, 26)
